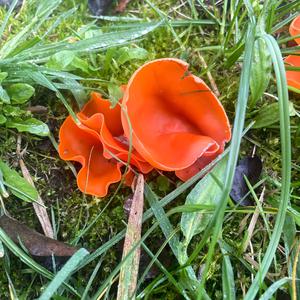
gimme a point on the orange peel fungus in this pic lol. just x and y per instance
(293, 77)
(98, 144)
(177, 124)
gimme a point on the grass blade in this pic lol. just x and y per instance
(41, 53)
(89, 284)
(6, 240)
(162, 219)
(227, 277)
(268, 294)
(63, 274)
(42, 13)
(7, 16)
(101, 290)
(205, 192)
(60, 19)
(163, 202)
(1, 250)
(168, 275)
(283, 98)
(41, 79)
(174, 242)
(233, 153)
(284, 22)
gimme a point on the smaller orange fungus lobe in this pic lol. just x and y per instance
(293, 77)
(295, 29)
(177, 123)
(99, 145)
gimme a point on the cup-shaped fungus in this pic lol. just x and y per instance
(293, 77)
(177, 122)
(97, 142)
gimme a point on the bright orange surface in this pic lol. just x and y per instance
(293, 77)
(295, 28)
(175, 117)
(177, 125)
(100, 130)
(81, 144)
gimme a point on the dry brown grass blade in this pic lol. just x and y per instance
(294, 287)
(256, 266)
(253, 221)
(39, 206)
(209, 76)
(129, 270)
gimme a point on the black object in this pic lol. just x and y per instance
(99, 7)
(51, 263)
(250, 167)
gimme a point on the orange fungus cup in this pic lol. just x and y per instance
(174, 120)
(293, 77)
(99, 145)
(177, 123)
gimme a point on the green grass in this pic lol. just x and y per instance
(213, 263)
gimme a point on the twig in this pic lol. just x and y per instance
(210, 78)
(3, 206)
(37, 109)
(253, 221)
(21, 9)
(294, 288)
(252, 255)
(39, 206)
(256, 266)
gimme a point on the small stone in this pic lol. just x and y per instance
(127, 205)
(99, 7)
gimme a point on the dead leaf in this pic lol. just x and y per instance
(43, 249)
(122, 5)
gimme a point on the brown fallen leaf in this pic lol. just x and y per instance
(129, 270)
(122, 5)
(42, 248)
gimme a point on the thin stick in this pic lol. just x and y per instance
(253, 221)
(210, 78)
(295, 273)
(39, 206)
(3, 206)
